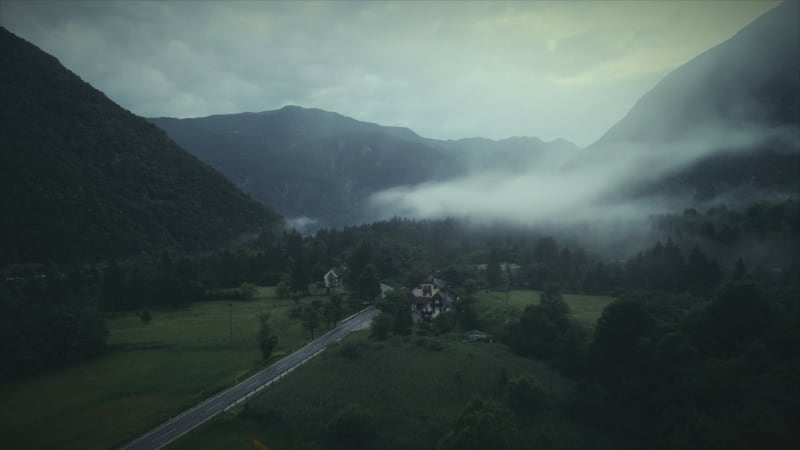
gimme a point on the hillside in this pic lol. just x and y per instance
(322, 165)
(736, 107)
(84, 179)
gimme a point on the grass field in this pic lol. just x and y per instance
(495, 313)
(415, 392)
(154, 372)
(157, 370)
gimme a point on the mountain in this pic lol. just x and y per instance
(752, 78)
(83, 179)
(737, 106)
(308, 162)
(317, 164)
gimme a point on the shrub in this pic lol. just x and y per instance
(353, 426)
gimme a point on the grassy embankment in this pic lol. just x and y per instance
(155, 371)
(415, 386)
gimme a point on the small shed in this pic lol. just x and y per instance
(477, 336)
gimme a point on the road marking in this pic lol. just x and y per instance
(166, 436)
(214, 405)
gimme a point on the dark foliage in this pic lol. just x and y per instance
(686, 374)
(42, 329)
(353, 427)
(84, 179)
(482, 425)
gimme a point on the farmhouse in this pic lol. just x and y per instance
(429, 299)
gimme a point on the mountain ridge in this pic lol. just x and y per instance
(86, 179)
(308, 162)
(732, 114)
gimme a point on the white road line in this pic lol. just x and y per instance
(214, 405)
(165, 435)
(293, 360)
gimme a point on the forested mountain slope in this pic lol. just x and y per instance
(320, 164)
(732, 114)
(84, 179)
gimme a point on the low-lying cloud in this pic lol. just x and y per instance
(596, 187)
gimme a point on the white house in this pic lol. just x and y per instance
(331, 279)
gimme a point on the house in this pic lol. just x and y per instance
(429, 299)
(331, 279)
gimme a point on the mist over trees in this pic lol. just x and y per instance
(685, 213)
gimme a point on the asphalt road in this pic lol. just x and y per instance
(194, 417)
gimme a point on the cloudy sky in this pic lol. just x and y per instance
(446, 70)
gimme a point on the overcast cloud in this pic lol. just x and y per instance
(445, 70)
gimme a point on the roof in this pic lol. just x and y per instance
(476, 334)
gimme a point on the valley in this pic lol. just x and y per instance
(195, 193)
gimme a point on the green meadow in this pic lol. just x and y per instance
(416, 386)
(496, 312)
(156, 370)
(153, 372)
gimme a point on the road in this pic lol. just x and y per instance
(203, 412)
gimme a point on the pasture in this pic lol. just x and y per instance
(496, 313)
(152, 372)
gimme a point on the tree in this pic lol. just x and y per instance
(483, 425)
(382, 326)
(443, 323)
(470, 287)
(248, 291)
(145, 317)
(739, 271)
(113, 285)
(332, 310)
(311, 320)
(282, 289)
(526, 394)
(369, 285)
(493, 273)
(621, 325)
(298, 282)
(738, 314)
(266, 338)
(541, 328)
(393, 303)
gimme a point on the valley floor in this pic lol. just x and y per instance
(418, 383)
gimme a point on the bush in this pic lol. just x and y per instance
(382, 326)
(482, 425)
(145, 316)
(353, 427)
(526, 394)
(351, 350)
(429, 344)
(247, 291)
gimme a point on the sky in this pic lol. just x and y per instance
(446, 70)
